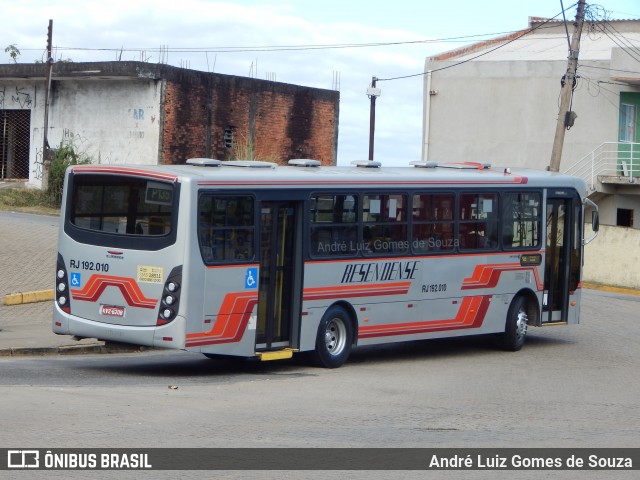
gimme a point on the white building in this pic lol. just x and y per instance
(497, 101)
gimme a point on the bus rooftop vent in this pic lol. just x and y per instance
(203, 162)
(248, 164)
(421, 164)
(304, 162)
(366, 164)
(466, 165)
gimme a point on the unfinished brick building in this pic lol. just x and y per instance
(140, 113)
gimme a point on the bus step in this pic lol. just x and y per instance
(276, 354)
(550, 324)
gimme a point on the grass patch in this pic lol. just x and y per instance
(27, 200)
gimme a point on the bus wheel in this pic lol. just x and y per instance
(516, 325)
(334, 340)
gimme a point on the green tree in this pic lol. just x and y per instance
(13, 52)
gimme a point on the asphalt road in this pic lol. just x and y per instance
(571, 386)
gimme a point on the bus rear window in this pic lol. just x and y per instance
(122, 206)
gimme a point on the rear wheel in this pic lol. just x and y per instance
(334, 339)
(516, 325)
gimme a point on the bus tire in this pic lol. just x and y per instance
(515, 330)
(334, 339)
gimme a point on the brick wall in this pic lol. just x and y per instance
(279, 121)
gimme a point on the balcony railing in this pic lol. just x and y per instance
(611, 159)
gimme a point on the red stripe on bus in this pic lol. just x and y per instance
(488, 275)
(128, 287)
(434, 256)
(110, 169)
(471, 314)
(231, 321)
(350, 291)
(271, 183)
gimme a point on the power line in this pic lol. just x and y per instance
(486, 52)
(584, 65)
(276, 48)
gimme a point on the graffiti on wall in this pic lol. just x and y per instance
(21, 98)
(38, 165)
(137, 115)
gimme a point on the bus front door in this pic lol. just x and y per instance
(563, 257)
(280, 283)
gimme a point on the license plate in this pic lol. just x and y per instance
(112, 310)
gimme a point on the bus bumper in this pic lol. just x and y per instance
(171, 335)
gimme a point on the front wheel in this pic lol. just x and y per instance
(334, 339)
(516, 325)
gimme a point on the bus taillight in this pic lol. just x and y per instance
(62, 286)
(170, 297)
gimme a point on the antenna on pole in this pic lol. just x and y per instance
(373, 93)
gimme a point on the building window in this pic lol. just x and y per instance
(627, 123)
(625, 217)
(229, 136)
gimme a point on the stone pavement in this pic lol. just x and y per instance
(28, 246)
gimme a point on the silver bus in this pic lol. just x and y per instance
(252, 259)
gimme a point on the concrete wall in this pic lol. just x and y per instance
(505, 112)
(611, 257)
(114, 122)
(109, 121)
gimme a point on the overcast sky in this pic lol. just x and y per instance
(205, 35)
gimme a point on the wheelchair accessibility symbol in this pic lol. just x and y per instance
(251, 278)
(75, 279)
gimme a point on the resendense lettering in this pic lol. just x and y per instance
(379, 272)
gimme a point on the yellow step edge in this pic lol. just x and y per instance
(276, 354)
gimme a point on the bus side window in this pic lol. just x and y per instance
(521, 220)
(226, 228)
(385, 228)
(433, 222)
(478, 226)
(334, 230)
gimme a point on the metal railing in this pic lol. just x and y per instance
(612, 159)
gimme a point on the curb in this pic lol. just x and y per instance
(102, 348)
(608, 288)
(28, 297)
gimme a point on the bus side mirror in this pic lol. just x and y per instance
(595, 221)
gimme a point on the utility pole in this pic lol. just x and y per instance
(46, 161)
(373, 93)
(565, 116)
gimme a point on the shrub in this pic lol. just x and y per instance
(64, 156)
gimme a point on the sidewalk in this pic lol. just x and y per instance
(28, 245)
